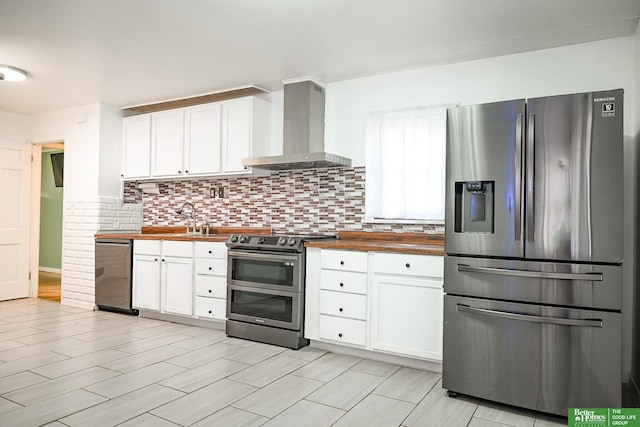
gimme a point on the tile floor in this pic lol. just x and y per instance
(63, 366)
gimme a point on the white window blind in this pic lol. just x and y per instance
(405, 164)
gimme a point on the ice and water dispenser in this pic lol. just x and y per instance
(474, 206)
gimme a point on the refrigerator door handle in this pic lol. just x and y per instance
(517, 178)
(591, 277)
(592, 323)
(531, 145)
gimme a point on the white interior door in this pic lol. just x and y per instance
(14, 220)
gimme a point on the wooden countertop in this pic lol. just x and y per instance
(216, 234)
(410, 243)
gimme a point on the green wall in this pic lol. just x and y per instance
(50, 217)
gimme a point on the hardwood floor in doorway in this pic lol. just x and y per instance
(49, 285)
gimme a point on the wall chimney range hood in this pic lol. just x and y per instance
(303, 136)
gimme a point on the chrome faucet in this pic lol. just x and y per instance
(191, 215)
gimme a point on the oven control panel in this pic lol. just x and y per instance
(272, 243)
(275, 243)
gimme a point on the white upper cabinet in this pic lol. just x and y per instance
(167, 141)
(237, 136)
(136, 154)
(204, 140)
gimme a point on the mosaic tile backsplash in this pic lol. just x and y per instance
(300, 201)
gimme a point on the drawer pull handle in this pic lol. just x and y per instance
(155, 260)
(210, 252)
(340, 335)
(209, 290)
(341, 310)
(210, 268)
(341, 262)
(209, 311)
(341, 284)
(407, 265)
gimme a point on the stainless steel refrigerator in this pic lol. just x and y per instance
(533, 266)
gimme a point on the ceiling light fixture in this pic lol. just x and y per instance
(12, 74)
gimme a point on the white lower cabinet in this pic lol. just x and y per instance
(180, 278)
(211, 280)
(147, 259)
(177, 283)
(384, 302)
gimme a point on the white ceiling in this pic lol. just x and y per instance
(133, 52)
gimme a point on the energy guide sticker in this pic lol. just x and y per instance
(608, 109)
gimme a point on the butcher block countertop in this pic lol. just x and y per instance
(216, 234)
(370, 241)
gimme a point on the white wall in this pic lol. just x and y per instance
(92, 137)
(579, 68)
(110, 152)
(601, 65)
(13, 128)
(636, 144)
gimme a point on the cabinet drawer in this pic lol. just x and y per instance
(147, 247)
(211, 308)
(342, 330)
(211, 250)
(408, 264)
(211, 286)
(343, 304)
(344, 260)
(178, 249)
(343, 281)
(216, 267)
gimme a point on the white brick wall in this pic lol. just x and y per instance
(81, 222)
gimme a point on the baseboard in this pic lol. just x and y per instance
(211, 324)
(424, 365)
(50, 270)
(78, 304)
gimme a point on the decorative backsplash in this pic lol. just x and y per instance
(298, 201)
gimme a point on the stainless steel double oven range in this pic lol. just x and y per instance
(265, 288)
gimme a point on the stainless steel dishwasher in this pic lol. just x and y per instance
(113, 275)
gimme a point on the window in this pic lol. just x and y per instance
(405, 164)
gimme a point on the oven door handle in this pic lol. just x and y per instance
(272, 256)
(593, 323)
(592, 277)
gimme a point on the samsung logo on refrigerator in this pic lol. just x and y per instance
(608, 98)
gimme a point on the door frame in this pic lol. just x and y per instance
(34, 244)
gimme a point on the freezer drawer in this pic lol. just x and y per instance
(565, 284)
(532, 356)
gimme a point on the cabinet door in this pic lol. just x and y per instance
(203, 139)
(236, 133)
(146, 282)
(177, 282)
(406, 316)
(167, 136)
(136, 152)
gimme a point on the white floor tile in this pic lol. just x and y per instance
(269, 401)
(346, 390)
(232, 417)
(201, 403)
(306, 414)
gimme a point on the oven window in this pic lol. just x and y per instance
(266, 272)
(262, 306)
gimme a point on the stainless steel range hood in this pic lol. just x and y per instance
(303, 145)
